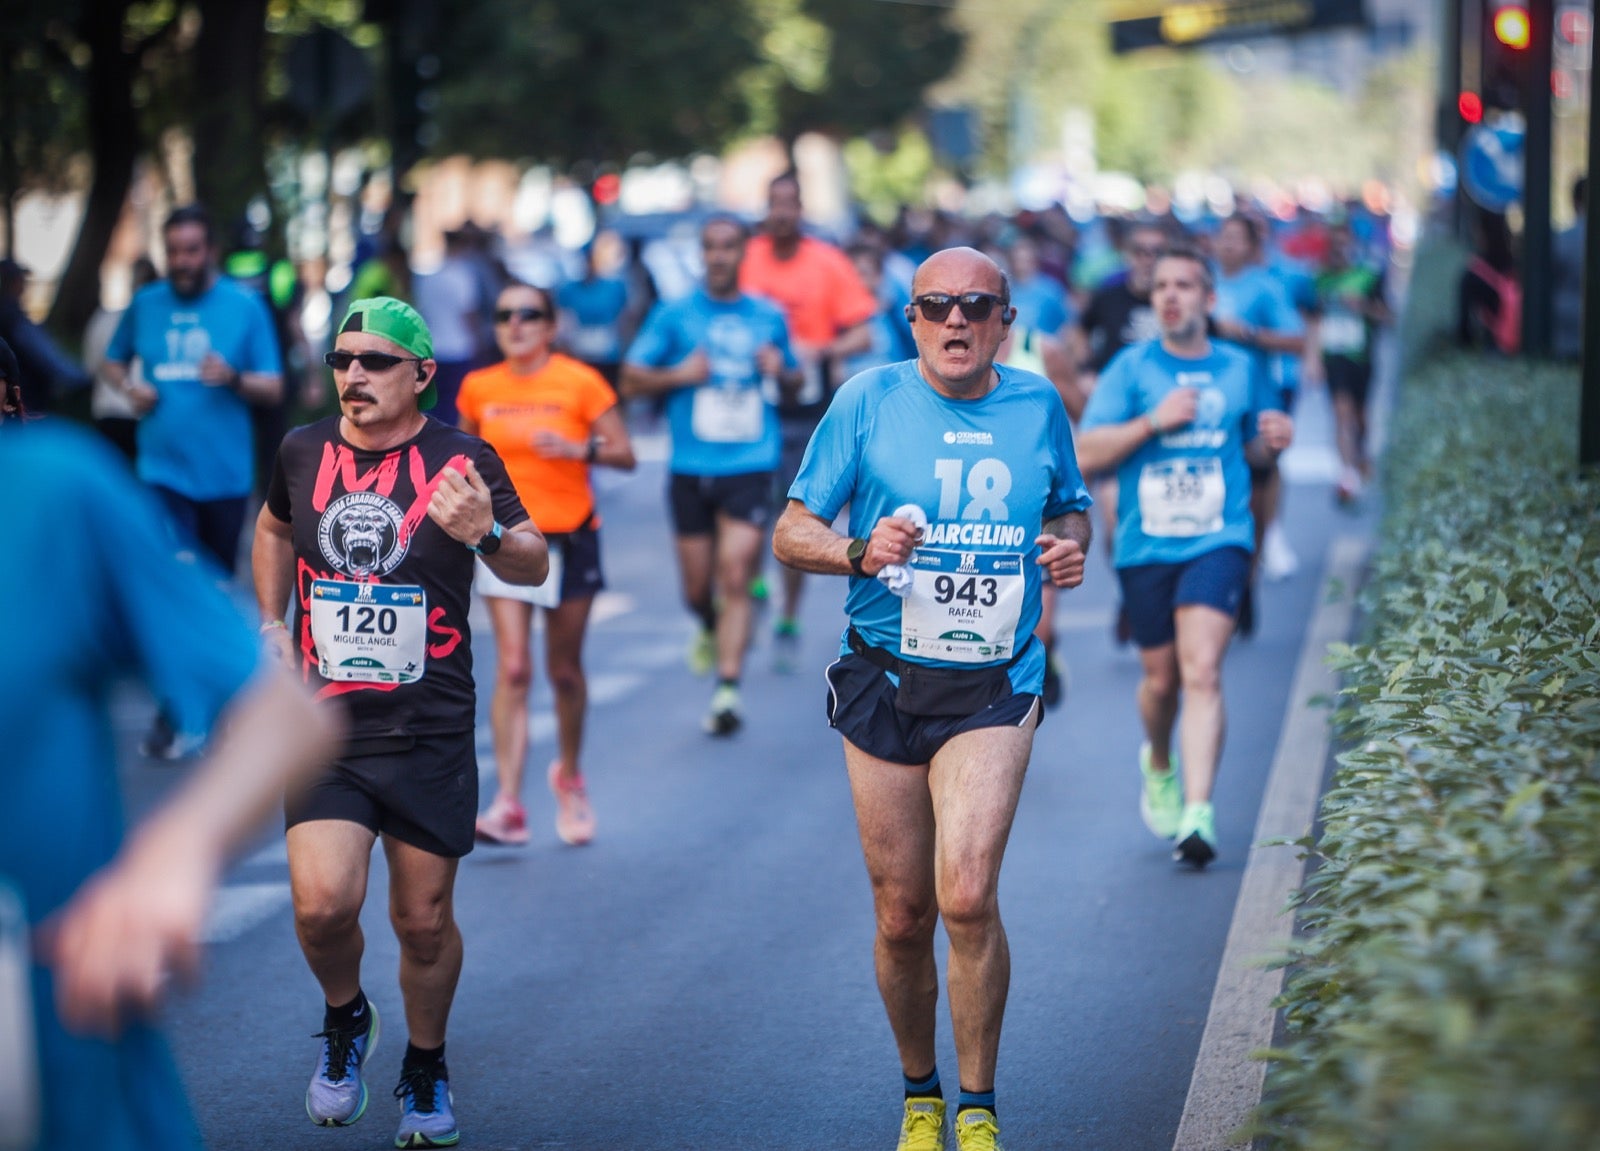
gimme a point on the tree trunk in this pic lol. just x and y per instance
(229, 161)
(114, 145)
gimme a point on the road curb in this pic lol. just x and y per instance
(1227, 1083)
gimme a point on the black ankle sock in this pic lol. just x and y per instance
(349, 1017)
(725, 681)
(429, 1059)
(708, 616)
(925, 1087)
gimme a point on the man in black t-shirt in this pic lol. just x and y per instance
(370, 525)
(1119, 314)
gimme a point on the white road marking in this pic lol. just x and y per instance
(242, 906)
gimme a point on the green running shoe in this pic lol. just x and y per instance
(702, 654)
(1161, 797)
(1197, 836)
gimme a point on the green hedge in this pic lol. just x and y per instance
(1445, 993)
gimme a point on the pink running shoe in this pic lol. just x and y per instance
(505, 823)
(574, 816)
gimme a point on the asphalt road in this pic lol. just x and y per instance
(700, 976)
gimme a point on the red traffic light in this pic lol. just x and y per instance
(1511, 26)
(1470, 105)
(607, 188)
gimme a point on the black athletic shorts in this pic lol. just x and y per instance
(1348, 377)
(420, 790)
(581, 577)
(696, 501)
(861, 707)
(1153, 592)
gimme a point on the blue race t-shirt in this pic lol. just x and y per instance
(91, 567)
(1042, 304)
(1186, 492)
(727, 425)
(986, 473)
(596, 308)
(1254, 296)
(197, 440)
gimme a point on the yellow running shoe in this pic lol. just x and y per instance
(978, 1130)
(922, 1129)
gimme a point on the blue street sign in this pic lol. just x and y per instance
(1491, 164)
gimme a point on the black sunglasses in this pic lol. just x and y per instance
(975, 306)
(526, 315)
(370, 361)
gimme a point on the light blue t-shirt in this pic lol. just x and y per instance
(1256, 297)
(197, 440)
(1042, 304)
(596, 307)
(100, 592)
(1186, 492)
(727, 425)
(986, 473)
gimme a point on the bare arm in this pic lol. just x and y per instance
(253, 387)
(640, 380)
(137, 921)
(805, 541)
(852, 341)
(1062, 371)
(272, 567)
(1100, 449)
(612, 447)
(1274, 433)
(463, 507)
(1063, 548)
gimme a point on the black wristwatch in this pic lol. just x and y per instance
(490, 543)
(855, 553)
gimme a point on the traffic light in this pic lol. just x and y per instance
(1505, 55)
(1469, 105)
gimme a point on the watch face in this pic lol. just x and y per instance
(856, 550)
(489, 544)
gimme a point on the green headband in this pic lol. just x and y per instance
(396, 321)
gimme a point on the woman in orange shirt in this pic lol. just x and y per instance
(550, 418)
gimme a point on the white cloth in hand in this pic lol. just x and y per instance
(897, 577)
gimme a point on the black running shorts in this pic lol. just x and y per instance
(861, 707)
(697, 501)
(422, 791)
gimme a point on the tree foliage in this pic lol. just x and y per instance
(565, 81)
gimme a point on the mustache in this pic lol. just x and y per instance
(357, 394)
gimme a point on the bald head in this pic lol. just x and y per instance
(960, 265)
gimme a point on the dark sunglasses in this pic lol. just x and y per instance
(1143, 250)
(526, 315)
(975, 306)
(370, 361)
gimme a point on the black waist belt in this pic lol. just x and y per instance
(929, 690)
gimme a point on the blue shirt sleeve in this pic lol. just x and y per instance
(827, 473)
(120, 349)
(653, 346)
(1068, 492)
(1110, 402)
(261, 347)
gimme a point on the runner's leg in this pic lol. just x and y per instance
(975, 781)
(328, 863)
(738, 545)
(421, 908)
(1203, 635)
(564, 628)
(894, 817)
(508, 709)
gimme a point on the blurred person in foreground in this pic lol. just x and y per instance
(551, 418)
(113, 918)
(369, 529)
(964, 497)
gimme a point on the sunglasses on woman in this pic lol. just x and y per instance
(526, 315)
(369, 361)
(975, 306)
